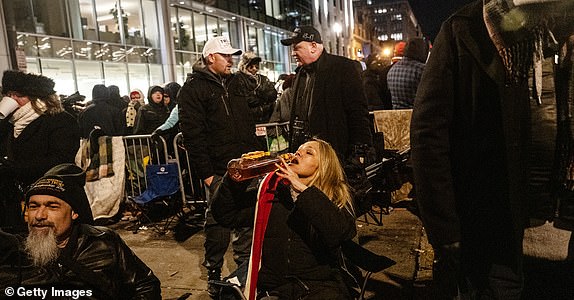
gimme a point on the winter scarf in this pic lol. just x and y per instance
(25, 115)
(265, 197)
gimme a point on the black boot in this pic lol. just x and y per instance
(213, 289)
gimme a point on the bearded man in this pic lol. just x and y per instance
(485, 157)
(63, 250)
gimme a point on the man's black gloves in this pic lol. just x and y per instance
(446, 271)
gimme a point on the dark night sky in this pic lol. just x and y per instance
(431, 13)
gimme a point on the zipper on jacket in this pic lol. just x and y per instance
(226, 96)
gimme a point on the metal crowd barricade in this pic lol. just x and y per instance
(141, 150)
(191, 187)
(275, 134)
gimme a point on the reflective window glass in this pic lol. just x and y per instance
(61, 72)
(88, 74)
(139, 78)
(32, 65)
(252, 39)
(20, 15)
(55, 48)
(109, 15)
(133, 22)
(184, 26)
(156, 74)
(85, 50)
(28, 43)
(116, 74)
(86, 29)
(199, 29)
(212, 28)
(151, 27)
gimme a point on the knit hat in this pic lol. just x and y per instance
(100, 91)
(27, 84)
(65, 182)
(248, 59)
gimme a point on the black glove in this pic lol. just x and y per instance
(446, 271)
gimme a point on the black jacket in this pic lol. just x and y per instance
(259, 96)
(103, 264)
(216, 126)
(338, 112)
(150, 117)
(46, 142)
(104, 114)
(470, 141)
(302, 239)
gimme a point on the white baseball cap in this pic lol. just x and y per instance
(219, 44)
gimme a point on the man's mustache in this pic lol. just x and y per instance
(43, 224)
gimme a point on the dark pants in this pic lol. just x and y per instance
(501, 282)
(217, 240)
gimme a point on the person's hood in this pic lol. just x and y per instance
(100, 93)
(417, 49)
(152, 89)
(142, 96)
(172, 89)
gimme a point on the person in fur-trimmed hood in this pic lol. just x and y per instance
(486, 157)
(254, 88)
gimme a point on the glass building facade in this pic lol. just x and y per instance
(136, 43)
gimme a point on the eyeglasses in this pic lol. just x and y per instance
(165, 95)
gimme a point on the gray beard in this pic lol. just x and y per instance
(42, 247)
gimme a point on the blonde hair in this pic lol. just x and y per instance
(330, 177)
(52, 105)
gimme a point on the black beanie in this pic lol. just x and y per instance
(65, 182)
(100, 92)
(27, 84)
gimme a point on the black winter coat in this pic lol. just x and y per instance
(470, 141)
(260, 96)
(150, 117)
(120, 274)
(216, 126)
(302, 238)
(338, 112)
(46, 142)
(104, 114)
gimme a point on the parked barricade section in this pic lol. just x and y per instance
(275, 136)
(141, 150)
(191, 187)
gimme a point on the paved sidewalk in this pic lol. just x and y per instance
(175, 257)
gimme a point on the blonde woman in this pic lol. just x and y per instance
(39, 134)
(303, 215)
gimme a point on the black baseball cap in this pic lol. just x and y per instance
(303, 34)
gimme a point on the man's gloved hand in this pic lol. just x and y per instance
(446, 271)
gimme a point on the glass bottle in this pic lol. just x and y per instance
(255, 164)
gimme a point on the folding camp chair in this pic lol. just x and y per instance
(161, 186)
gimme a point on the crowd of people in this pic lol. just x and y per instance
(472, 141)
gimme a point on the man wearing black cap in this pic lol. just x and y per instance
(66, 252)
(329, 99)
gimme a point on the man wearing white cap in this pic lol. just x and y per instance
(487, 158)
(216, 128)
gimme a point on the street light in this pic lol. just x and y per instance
(337, 28)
